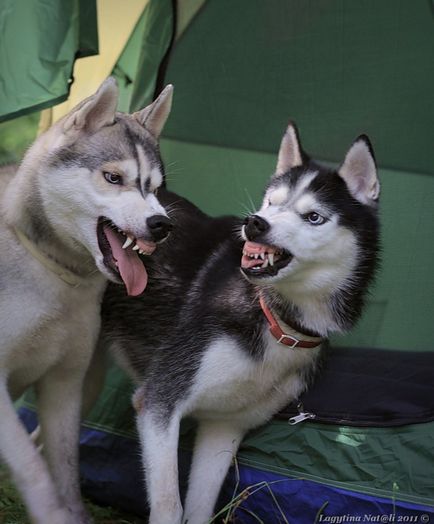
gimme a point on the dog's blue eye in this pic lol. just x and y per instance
(315, 219)
(112, 178)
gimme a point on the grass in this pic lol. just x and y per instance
(12, 509)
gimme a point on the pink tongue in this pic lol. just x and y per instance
(130, 266)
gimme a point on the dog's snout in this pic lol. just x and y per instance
(255, 226)
(159, 227)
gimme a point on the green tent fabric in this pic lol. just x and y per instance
(38, 45)
(328, 454)
(146, 50)
(242, 69)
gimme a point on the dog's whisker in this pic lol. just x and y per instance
(252, 205)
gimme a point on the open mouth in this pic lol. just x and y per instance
(121, 252)
(262, 260)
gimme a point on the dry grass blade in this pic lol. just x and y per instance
(273, 496)
(319, 512)
(228, 511)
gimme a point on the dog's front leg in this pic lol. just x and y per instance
(27, 466)
(216, 444)
(59, 395)
(159, 438)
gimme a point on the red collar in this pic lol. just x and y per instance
(283, 338)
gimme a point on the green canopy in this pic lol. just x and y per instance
(242, 69)
(39, 41)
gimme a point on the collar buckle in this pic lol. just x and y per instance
(288, 341)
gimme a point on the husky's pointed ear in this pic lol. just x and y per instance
(359, 170)
(290, 152)
(95, 111)
(154, 116)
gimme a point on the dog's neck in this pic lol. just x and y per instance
(324, 303)
(24, 211)
(315, 314)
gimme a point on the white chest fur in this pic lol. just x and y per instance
(230, 384)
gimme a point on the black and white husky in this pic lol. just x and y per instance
(231, 326)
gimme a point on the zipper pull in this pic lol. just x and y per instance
(302, 415)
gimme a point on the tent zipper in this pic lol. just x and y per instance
(302, 415)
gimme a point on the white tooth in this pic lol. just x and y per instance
(256, 256)
(262, 255)
(271, 258)
(136, 247)
(265, 264)
(141, 251)
(128, 242)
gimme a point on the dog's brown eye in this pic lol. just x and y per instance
(112, 178)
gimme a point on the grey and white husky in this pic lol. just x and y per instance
(75, 214)
(231, 326)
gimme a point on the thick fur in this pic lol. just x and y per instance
(197, 342)
(49, 327)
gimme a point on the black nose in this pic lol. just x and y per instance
(159, 226)
(255, 226)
